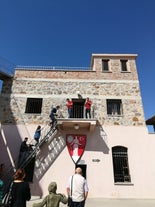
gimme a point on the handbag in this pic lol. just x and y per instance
(70, 201)
(7, 199)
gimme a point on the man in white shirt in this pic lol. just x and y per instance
(77, 188)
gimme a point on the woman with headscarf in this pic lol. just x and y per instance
(53, 199)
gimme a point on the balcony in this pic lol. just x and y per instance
(76, 124)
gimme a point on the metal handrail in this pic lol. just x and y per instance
(63, 68)
(45, 136)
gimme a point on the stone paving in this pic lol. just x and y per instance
(101, 202)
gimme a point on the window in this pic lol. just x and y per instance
(114, 107)
(33, 105)
(105, 65)
(124, 65)
(120, 164)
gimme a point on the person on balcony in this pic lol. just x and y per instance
(69, 105)
(88, 108)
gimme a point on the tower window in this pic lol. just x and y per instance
(33, 105)
(105, 65)
(124, 65)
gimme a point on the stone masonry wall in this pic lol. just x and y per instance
(55, 86)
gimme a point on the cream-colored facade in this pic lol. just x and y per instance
(118, 157)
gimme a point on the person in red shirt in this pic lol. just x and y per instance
(88, 108)
(69, 105)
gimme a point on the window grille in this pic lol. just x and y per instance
(120, 164)
(78, 111)
(78, 108)
(33, 105)
(114, 107)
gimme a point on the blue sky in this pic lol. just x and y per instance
(67, 32)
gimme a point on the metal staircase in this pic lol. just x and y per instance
(47, 133)
(47, 139)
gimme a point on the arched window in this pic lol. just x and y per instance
(120, 164)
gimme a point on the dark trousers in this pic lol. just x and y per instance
(53, 120)
(78, 204)
(70, 112)
(22, 158)
(88, 113)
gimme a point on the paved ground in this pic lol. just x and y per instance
(101, 202)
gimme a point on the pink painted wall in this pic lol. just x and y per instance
(141, 151)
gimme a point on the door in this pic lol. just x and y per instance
(78, 108)
(83, 167)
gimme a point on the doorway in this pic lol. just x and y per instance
(83, 167)
(78, 108)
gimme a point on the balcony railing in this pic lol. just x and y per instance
(61, 68)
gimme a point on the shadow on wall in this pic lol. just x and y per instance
(45, 158)
(98, 141)
(10, 137)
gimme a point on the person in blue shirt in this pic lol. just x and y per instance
(37, 134)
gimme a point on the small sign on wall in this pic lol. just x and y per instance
(76, 146)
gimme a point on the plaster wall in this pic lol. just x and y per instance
(141, 148)
(100, 174)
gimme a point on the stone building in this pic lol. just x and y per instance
(116, 156)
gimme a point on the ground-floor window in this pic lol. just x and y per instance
(120, 164)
